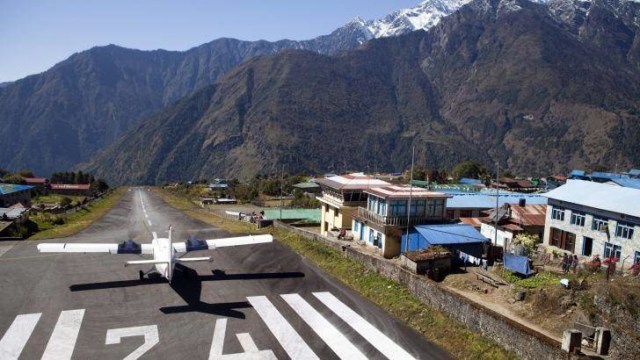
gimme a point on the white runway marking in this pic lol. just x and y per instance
(145, 215)
(17, 335)
(291, 342)
(155, 234)
(251, 351)
(149, 332)
(149, 221)
(379, 340)
(65, 334)
(325, 330)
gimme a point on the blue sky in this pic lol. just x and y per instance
(36, 34)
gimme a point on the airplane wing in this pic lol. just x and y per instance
(192, 244)
(126, 247)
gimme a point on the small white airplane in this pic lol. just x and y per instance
(165, 253)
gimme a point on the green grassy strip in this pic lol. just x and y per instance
(397, 300)
(78, 221)
(394, 298)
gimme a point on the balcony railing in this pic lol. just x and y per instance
(383, 220)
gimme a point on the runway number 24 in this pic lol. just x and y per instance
(151, 338)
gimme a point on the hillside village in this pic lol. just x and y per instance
(493, 241)
(475, 235)
(24, 197)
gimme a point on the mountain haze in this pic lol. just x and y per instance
(535, 88)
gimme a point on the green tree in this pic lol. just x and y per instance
(25, 173)
(468, 169)
(529, 241)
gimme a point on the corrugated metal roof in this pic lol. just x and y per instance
(621, 200)
(450, 234)
(293, 214)
(306, 185)
(352, 181)
(35, 180)
(606, 175)
(404, 192)
(12, 212)
(468, 181)
(529, 215)
(630, 183)
(488, 201)
(11, 188)
(70, 186)
(473, 221)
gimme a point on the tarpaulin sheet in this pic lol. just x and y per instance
(518, 264)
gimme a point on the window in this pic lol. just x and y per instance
(563, 239)
(398, 208)
(356, 226)
(624, 230)
(336, 212)
(611, 250)
(636, 257)
(587, 246)
(418, 207)
(599, 224)
(577, 218)
(557, 214)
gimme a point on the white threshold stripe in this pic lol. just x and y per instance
(325, 330)
(17, 335)
(379, 340)
(64, 336)
(291, 342)
(247, 343)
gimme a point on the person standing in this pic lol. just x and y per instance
(565, 263)
(574, 263)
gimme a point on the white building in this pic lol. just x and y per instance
(385, 218)
(588, 218)
(341, 196)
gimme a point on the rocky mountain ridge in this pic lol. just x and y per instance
(499, 80)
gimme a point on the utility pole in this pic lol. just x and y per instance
(413, 154)
(495, 236)
(281, 191)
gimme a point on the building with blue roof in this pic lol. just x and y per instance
(630, 183)
(577, 174)
(634, 173)
(472, 204)
(454, 237)
(468, 181)
(601, 177)
(11, 194)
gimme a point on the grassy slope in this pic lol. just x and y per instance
(450, 335)
(80, 220)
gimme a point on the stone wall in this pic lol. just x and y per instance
(524, 342)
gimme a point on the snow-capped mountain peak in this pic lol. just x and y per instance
(424, 16)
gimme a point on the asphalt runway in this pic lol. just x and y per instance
(252, 302)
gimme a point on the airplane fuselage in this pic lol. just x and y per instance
(163, 251)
